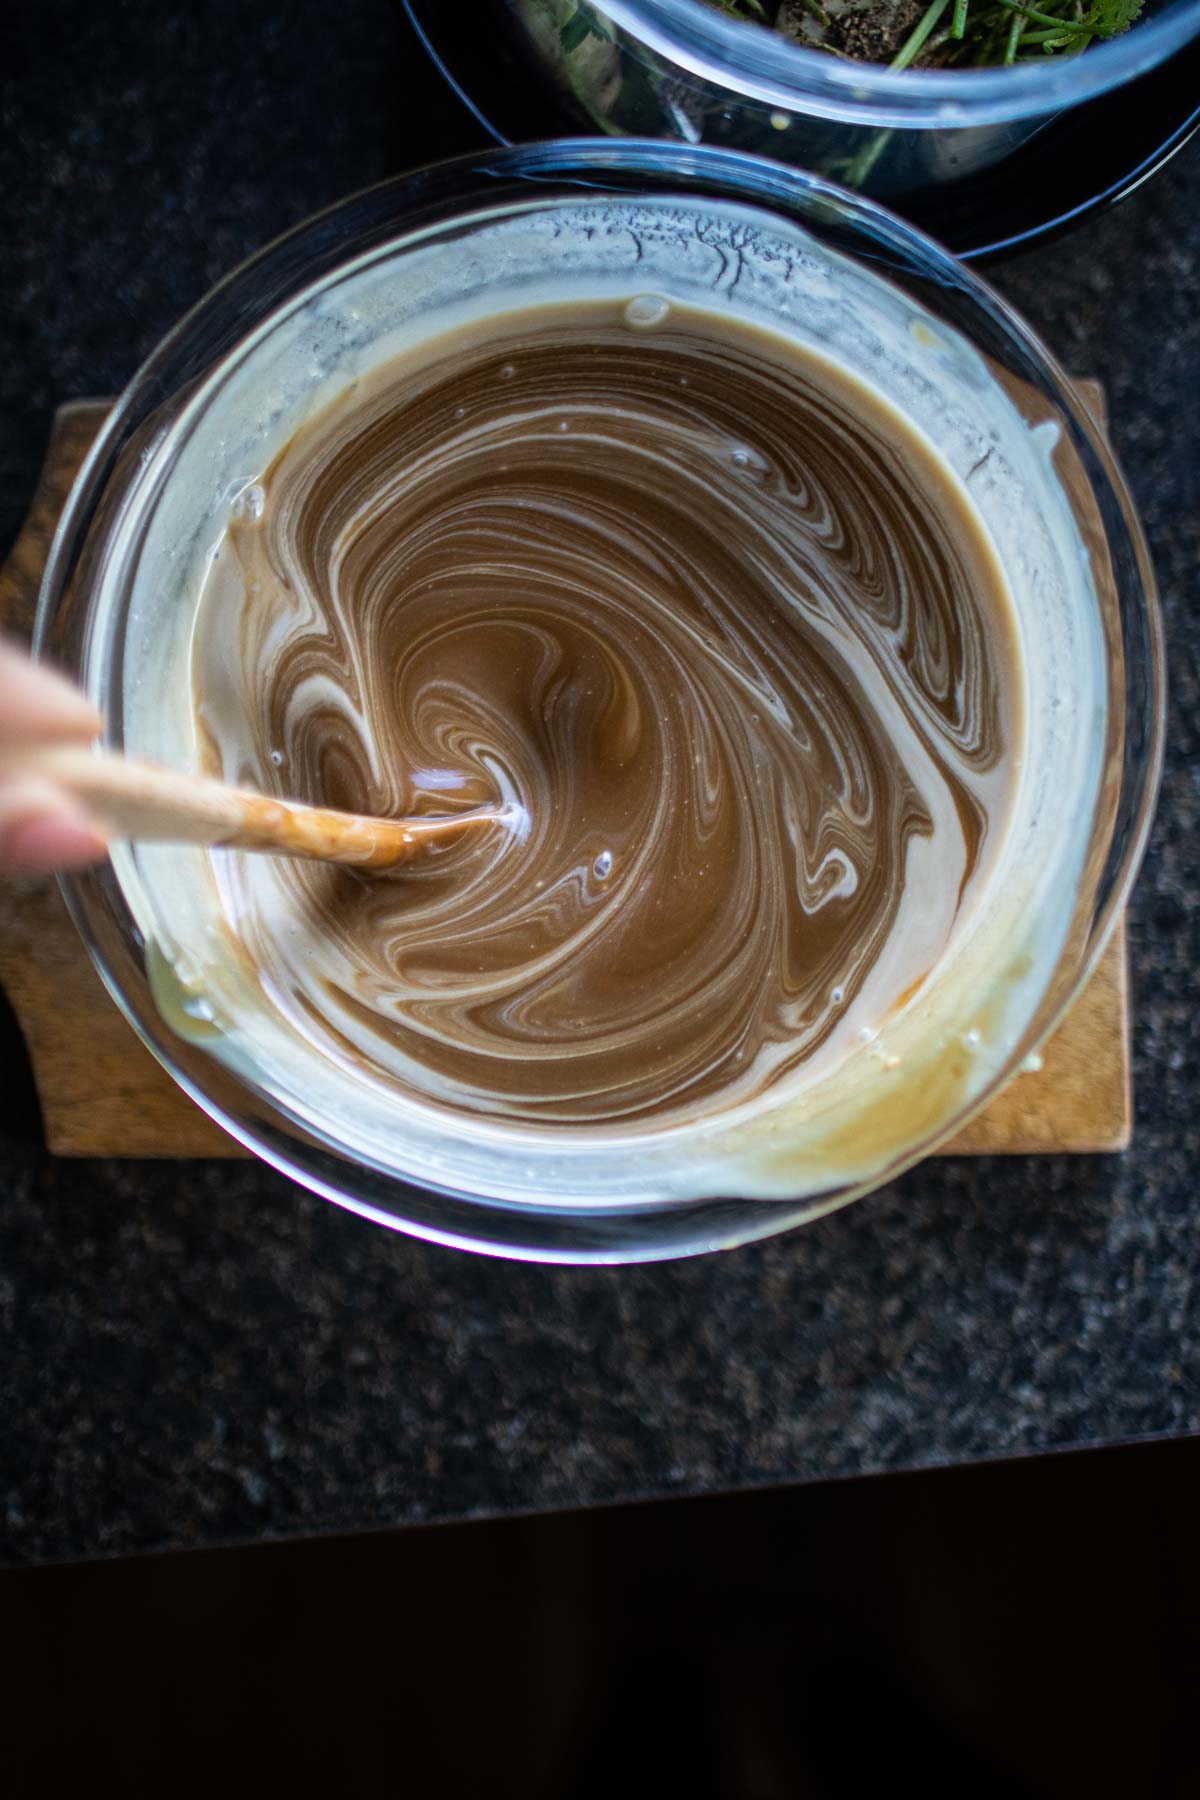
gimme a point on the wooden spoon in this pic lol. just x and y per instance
(155, 805)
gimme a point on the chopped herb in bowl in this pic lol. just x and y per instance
(943, 34)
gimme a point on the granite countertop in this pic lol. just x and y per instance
(194, 1353)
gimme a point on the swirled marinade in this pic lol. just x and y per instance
(717, 625)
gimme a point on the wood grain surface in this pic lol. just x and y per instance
(103, 1093)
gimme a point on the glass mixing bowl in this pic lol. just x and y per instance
(722, 229)
(682, 69)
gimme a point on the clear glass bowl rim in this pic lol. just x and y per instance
(463, 185)
(738, 54)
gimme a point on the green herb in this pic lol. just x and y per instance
(913, 46)
(577, 27)
(754, 8)
(583, 24)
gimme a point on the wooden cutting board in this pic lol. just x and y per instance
(103, 1094)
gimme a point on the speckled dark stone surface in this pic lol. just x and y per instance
(198, 1353)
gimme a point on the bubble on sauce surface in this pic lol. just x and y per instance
(249, 504)
(179, 999)
(750, 461)
(602, 866)
(646, 310)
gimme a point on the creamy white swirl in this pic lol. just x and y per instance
(724, 633)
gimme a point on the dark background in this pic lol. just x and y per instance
(195, 1354)
(1027, 1631)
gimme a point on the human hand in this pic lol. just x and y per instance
(41, 828)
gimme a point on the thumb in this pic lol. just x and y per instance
(41, 829)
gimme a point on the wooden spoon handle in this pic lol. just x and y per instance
(156, 805)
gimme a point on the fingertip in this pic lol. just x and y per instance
(40, 704)
(42, 843)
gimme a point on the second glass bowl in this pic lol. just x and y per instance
(960, 151)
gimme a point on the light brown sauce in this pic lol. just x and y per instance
(719, 624)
